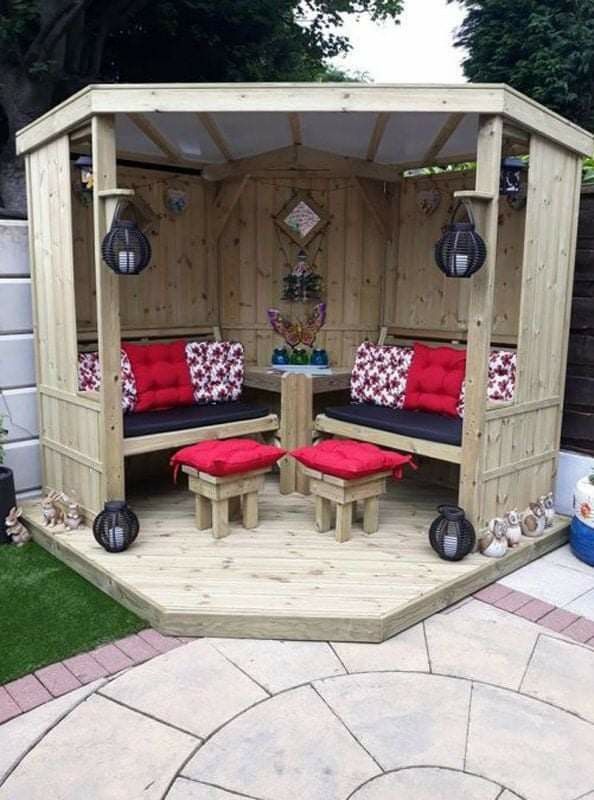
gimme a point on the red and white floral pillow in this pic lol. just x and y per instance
(502, 379)
(379, 374)
(216, 370)
(89, 378)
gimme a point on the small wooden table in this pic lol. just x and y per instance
(220, 499)
(296, 391)
(345, 493)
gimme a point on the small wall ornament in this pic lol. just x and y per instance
(176, 200)
(428, 200)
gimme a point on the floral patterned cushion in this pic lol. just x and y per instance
(379, 374)
(216, 370)
(89, 378)
(502, 379)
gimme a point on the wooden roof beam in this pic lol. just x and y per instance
(156, 137)
(295, 125)
(215, 134)
(377, 135)
(442, 138)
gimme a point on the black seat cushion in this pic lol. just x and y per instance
(416, 424)
(177, 419)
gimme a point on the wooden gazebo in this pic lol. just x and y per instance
(238, 153)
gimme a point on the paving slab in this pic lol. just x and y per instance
(193, 687)
(101, 751)
(562, 673)
(481, 642)
(85, 667)
(291, 746)
(21, 734)
(277, 665)
(403, 718)
(57, 679)
(583, 605)
(404, 652)
(534, 749)
(428, 783)
(565, 558)
(548, 581)
(185, 789)
(27, 692)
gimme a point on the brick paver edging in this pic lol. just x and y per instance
(55, 680)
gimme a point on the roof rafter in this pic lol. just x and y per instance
(377, 135)
(215, 134)
(444, 135)
(156, 137)
(295, 125)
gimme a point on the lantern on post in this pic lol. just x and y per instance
(125, 248)
(85, 166)
(116, 527)
(510, 179)
(461, 251)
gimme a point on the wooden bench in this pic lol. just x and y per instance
(327, 489)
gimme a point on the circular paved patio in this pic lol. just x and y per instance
(474, 704)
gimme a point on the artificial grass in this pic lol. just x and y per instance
(48, 612)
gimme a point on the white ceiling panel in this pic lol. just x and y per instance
(463, 141)
(131, 139)
(251, 133)
(347, 134)
(408, 136)
(186, 133)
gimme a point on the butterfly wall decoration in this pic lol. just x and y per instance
(301, 331)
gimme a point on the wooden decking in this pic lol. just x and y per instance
(284, 580)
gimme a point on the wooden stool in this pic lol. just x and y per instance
(345, 493)
(221, 499)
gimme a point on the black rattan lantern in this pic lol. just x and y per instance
(125, 248)
(460, 252)
(116, 527)
(510, 179)
(451, 535)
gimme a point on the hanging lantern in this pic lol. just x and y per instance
(125, 248)
(511, 180)
(85, 166)
(451, 535)
(116, 527)
(460, 252)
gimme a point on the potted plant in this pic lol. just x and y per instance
(7, 493)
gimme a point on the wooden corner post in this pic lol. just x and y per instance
(485, 204)
(108, 311)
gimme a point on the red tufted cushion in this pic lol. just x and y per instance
(349, 460)
(226, 456)
(162, 375)
(435, 379)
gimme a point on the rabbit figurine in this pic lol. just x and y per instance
(19, 535)
(532, 520)
(52, 513)
(514, 530)
(546, 501)
(494, 543)
(73, 519)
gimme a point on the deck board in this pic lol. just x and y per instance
(283, 579)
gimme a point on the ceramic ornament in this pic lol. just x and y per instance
(494, 543)
(546, 501)
(428, 200)
(15, 529)
(52, 513)
(533, 520)
(514, 529)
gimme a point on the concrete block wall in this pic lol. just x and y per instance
(18, 395)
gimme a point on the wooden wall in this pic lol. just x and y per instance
(426, 299)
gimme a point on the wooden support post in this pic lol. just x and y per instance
(203, 513)
(480, 316)
(370, 514)
(344, 516)
(295, 428)
(323, 514)
(108, 314)
(220, 518)
(250, 510)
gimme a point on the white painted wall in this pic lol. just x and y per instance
(18, 396)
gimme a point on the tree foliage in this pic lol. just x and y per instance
(544, 48)
(51, 48)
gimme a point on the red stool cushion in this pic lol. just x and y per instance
(347, 459)
(435, 379)
(226, 456)
(162, 375)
